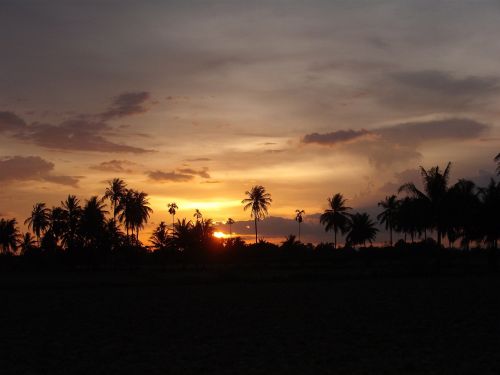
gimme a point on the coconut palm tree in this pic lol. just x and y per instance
(172, 209)
(230, 222)
(490, 213)
(258, 202)
(361, 229)
(183, 238)
(159, 237)
(388, 215)
(8, 235)
(114, 192)
(134, 211)
(298, 218)
(435, 192)
(26, 243)
(73, 213)
(39, 220)
(93, 220)
(336, 217)
(198, 215)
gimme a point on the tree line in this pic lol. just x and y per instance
(462, 212)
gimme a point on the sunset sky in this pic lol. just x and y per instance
(196, 101)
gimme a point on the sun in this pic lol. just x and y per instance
(219, 235)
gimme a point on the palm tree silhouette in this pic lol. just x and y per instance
(198, 215)
(335, 217)
(182, 238)
(361, 229)
(134, 211)
(115, 192)
(159, 237)
(73, 213)
(172, 209)
(8, 235)
(39, 220)
(298, 218)
(230, 222)
(388, 215)
(26, 243)
(436, 188)
(258, 202)
(490, 215)
(93, 220)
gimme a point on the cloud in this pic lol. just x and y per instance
(169, 176)
(31, 168)
(127, 104)
(118, 166)
(435, 90)
(9, 121)
(198, 159)
(202, 172)
(399, 142)
(336, 137)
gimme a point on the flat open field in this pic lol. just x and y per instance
(95, 323)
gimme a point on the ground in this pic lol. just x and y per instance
(125, 322)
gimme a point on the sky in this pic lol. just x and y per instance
(195, 102)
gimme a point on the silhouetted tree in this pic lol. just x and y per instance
(8, 235)
(73, 213)
(93, 221)
(183, 237)
(39, 220)
(159, 237)
(197, 215)
(335, 216)
(230, 222)
(490, 213)
(298, 218)
(115, 193)
(361, 229)
(26, 243)
(172, 209)
(258, 202)
(436, 188)
(388, 215)
(134, 211)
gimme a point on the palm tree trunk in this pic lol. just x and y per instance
(256, 229)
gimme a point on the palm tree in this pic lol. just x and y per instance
(388, 215)
(336, 217)
(230, 222)
(436, 189)
(159, 237)
(183, 235)
(26, 243)
(39, 220)
(93, 220)
(299, 219)
(172, 209)
(8, 235)
(73, 213)
(134, 211)
(115, 192)
(198, 215)
(258, 202)
(361, 229)
(490, 213)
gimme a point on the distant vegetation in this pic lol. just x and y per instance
(85, 231)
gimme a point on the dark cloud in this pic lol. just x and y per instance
(126, 104)
(169, 176)
(198, 159)
(336, 137)
(118, 166)
(201, 172)
(399, 142)
(31, 168)
(9, 121)
(435, 90)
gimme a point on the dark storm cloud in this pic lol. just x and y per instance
(118, 166)
(10, 122)
(336, 137)
(31, 168)
(400, 142)
(169, 176)
(126, 104)
(435, 90)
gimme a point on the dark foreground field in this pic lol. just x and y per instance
(122, 322)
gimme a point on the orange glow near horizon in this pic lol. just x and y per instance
(220, 235)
